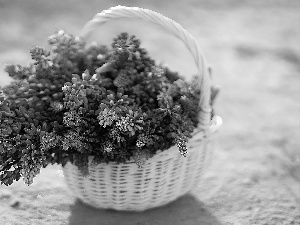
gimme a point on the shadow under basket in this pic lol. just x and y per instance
(166, 176)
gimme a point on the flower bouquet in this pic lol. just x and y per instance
(129, 134)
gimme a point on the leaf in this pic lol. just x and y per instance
(111, 97)
(123, 108)
(86, 75)
(6, 108)
(103, 106)
(17, 127)
(35, 122)
(118, 110)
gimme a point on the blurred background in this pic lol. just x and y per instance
(253, 48)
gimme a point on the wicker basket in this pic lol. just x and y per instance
(166, 176)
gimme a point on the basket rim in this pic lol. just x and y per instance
(198, 135)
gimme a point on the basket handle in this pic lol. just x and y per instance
(175, 29)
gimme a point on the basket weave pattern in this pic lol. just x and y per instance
(166, 176)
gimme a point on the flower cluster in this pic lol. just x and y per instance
(80, 100)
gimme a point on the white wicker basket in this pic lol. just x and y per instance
(166, 176)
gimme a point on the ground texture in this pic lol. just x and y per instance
(253, 47)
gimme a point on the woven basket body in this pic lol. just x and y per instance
(166, 176)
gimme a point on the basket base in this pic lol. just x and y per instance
(131, 210)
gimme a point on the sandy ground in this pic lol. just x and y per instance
(254, 49)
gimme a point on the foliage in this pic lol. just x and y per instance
(80, 100)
